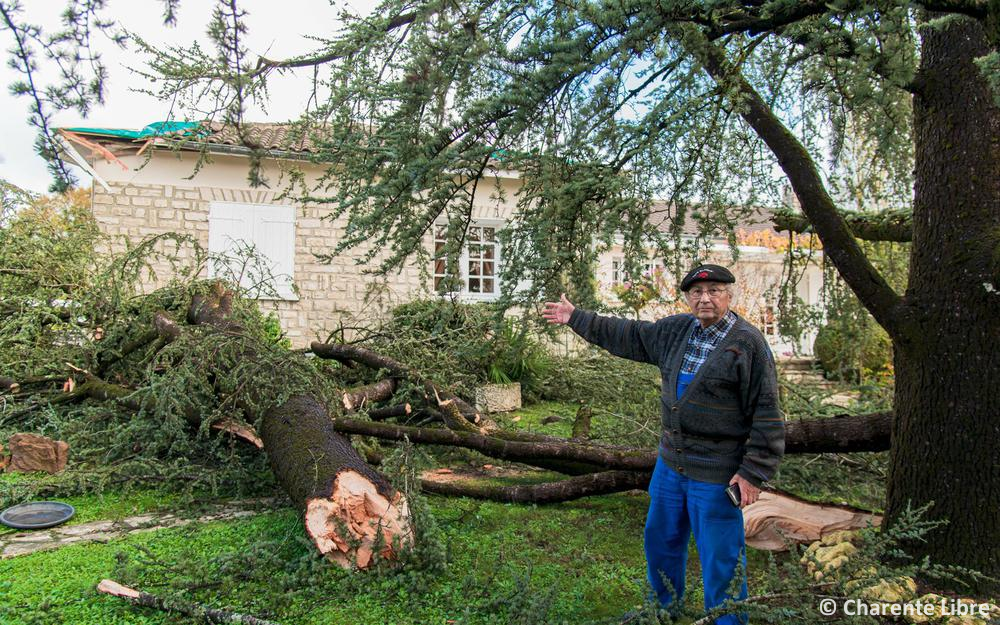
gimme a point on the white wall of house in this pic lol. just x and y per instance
(217, 205)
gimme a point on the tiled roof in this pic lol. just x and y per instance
(267, 136)
(664, 216)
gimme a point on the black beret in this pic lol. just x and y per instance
(706, 273)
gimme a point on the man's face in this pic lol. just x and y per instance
(709, 301)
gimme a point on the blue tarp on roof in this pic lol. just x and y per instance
(156, 129)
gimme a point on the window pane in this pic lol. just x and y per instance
(475, 233)
(475, 269)
(488, 251)
(439, 267)
(473, 285)
(488, 269)
(475, 250)
(487, 285)
(489, 234)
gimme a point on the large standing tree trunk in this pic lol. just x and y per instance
(946, 430)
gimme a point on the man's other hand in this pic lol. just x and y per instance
(558, 312)
(748, 492)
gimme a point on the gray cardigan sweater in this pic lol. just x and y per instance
(728, 420)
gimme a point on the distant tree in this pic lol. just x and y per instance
(603, 105)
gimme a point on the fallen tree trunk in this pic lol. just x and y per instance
(146, 600)
(351, 512)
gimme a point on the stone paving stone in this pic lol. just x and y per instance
(30, 537)
(103, 531)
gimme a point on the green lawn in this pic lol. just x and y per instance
(576, 562)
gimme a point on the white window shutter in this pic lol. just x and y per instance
(229, 225)
(269, 229)
(274, 234)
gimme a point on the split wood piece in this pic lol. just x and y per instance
(240, 430)
(146, 600)
(777, 519)
(398, 370)
(355, 399)
(350, 509)
(601, 483)
(390, 412)
(32, 452)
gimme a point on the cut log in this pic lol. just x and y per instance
(382, 390)
(569, 489)
(146, 600)
(351, 512)
(9, 385)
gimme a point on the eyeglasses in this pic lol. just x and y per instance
(714, 293)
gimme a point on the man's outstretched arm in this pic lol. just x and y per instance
(635, 340)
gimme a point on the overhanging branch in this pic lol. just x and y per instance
(895, 226)
(839, 243)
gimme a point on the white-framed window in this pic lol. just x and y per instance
(618, 275)
(253, 244)
(478, 264)
(768, 320)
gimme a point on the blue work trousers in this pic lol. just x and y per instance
(677, 506)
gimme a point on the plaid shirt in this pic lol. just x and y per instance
(704, 340)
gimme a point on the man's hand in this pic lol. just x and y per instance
(558, 312)
(748, 492)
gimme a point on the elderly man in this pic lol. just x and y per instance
(721, 426)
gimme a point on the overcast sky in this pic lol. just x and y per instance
(277, 30)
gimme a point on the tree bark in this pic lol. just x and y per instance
(947, 392)
(839, 434)
(343, 499)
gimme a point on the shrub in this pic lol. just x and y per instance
(463, 345)
(848, 353)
